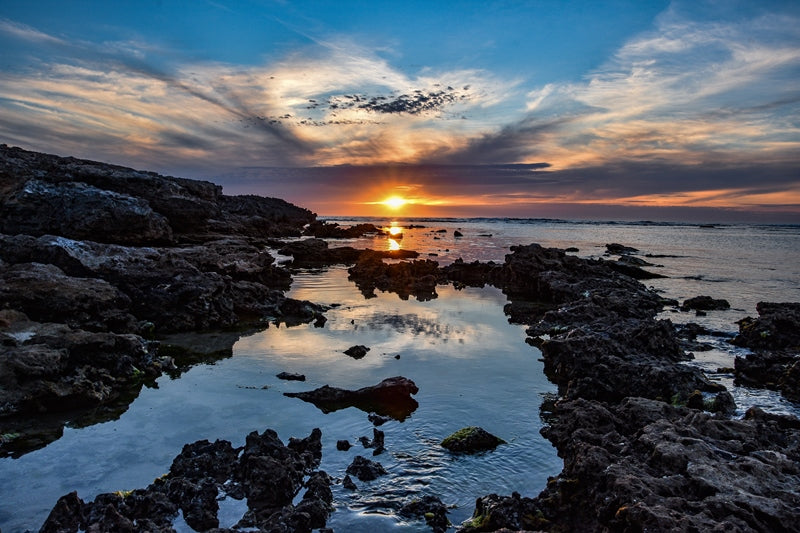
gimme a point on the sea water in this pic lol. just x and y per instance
(472, 368)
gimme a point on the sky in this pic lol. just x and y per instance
(614, 110)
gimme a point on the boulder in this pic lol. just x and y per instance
(471, 440)
(366, 470)
(705, 303)
(391, 397)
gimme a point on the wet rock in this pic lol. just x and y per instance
(418, 278)
(376, 442)
(357, 352)
(343, 445)
(268, 473)
(457, 233)
(470, 440)
(431, 509)
(391, 397)
(290, 376)
(376, 419)
(777, 327)
(81, 211)
(365, 470)
(348, 483)
(775, 337)
(317, 253)
(333, 230)
(505, 513)
(620, 249)
(705, 303)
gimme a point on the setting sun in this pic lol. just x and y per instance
(395, 202)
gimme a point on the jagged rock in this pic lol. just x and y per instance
(357, 352)
(290, 376)
(471, 439)
(391, 397)
(431, 509)
(705, 303)
(267, 472)
(329, 230)
(316, 253)
(775, 338)
(620, 249)
(417, 278)
(366, 470)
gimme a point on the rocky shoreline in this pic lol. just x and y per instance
(648, 442)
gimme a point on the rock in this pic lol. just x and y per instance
(775, 338)
(357, 352)
(619, 249)
(343, 445)
(289, 376)
(470, 440)
(391, 397)
(378, 420)
(777, 327)
(506, 513)
(329, 230)
(376, 442)
(348, 483)
(431, 509)
(417, 278)
(457, 233)
(704, 303)
(268, 473)
(81, 211)
(316, 253)
(365, 470)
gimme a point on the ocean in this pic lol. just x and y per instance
(471, 365)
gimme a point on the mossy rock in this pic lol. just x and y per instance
(471, 440)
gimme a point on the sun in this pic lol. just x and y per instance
(395, 202)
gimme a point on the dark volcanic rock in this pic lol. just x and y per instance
(316, 253)
(357, 352)
(431, 509)
(83, 262)
(45, 194)
(471, 440)
(267, 473)
(645, 465)
(776, 328)
(775, 338)
(620, 249)
(328, 230)
(290, 376)
(417, 278)
(81, 211)
(366, 470)
(705, 303)
(391, 397)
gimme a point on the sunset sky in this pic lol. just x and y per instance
(612, 110)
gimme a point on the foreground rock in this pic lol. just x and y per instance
(96, 258)
(774, 338)
(391, 397)
(266, 473)
(634, 460)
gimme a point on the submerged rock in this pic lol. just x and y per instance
(366, 470)
(431, 509)
(471, 439)
(391, 397)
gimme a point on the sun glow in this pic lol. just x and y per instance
(395, 202)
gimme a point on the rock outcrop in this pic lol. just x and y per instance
(96, 260)
(266, 473)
